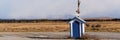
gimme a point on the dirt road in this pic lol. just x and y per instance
(105, 35)
(53, 35)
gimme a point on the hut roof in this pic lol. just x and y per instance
(77, 19)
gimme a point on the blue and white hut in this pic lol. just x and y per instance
(77, 28)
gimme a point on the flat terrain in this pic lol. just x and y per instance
(34, 27)
(57, 30)
(55, 36)
(105, 26)
(59, 26)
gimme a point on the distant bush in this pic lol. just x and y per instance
(96, 27)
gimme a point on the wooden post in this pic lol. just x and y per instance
(78, 9)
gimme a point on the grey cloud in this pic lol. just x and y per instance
(41, 9)
(100, 8)
(57, 9)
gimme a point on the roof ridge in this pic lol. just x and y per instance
(80, 19)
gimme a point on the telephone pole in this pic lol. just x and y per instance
(78, 9)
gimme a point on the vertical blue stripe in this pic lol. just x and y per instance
(76, 31)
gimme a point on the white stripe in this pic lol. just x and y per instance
(80, 28)
(83, 28)
(71, 29)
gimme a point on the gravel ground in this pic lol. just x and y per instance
(54, 35)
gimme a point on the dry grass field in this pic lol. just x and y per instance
(47, 26)
(59, 26)
(105, 26)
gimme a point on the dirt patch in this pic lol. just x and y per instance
(1, 36)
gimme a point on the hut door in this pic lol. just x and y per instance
(76, 29)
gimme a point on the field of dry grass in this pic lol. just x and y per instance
(47, 26)
(106, 26)
(58, 26)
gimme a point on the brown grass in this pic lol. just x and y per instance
(106, 26)
(34, 27)
(58, 26)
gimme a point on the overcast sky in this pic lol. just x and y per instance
(57, 9)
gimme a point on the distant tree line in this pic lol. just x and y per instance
(27, 20)
(42, 20)
(115, 19)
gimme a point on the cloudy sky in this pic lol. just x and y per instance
(57, 9)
